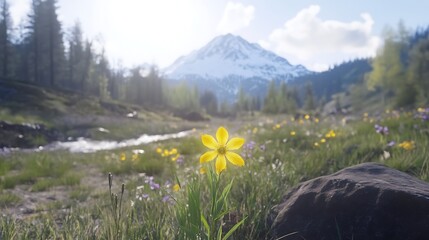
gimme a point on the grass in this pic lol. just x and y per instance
(276, 162)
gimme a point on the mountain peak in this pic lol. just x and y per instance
(228, 63)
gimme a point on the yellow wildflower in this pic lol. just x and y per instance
(316, 144)
(158, 150)
(322, 140)
(330, 134)
(407, 145)
(173, 151)
(255, 130)
(135, 157)
(123, 157)
(293, 133)
(307, 116)
(174, 158)
(165, 153)
(221, 149)
(421, 110)
(203, 170)
(316, 120)
(176, 187)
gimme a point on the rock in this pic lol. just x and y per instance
(366, 201)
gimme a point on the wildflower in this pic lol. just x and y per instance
(322, 140)
(381, 130)
(179, 159)
(203, 170)
(391, 144)
(293, 133)
(166, 198)
(330, 134)
(262, 147)
(154, 185)
(307, 116)
(159, 150)
(316, 120)
(176, 187)
(255, 130)
(316, 144)
(221, 149)
(123, 157)
(173, 151)
(407, 145)
(174, 158)
(135, 157)
(165, 153)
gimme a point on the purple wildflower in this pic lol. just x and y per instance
(391, 144)
(166, 198)
(180, 160)
(381, 130)
(154, 185)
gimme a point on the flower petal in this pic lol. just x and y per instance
(209, 141)
(222, 136)
(235, 143)
(220, 164)
(208, 156)
(234, 158)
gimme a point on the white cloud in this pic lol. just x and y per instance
(235, 17)
(318, 43)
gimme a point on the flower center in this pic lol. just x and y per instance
(221, 150)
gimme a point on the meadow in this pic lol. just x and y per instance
(162, 191)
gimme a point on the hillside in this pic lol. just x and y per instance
(31, 116)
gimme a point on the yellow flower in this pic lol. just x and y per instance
(176, 187)
(221, 149)
(173, 151)
(203, 170)
(421, 110)
(165, 153)
(293, 133)
(123, 157)
(322, 140)
(255, 130)
(135, 157)
(330, 134)
(316, 120)
(307, 116)
(158, 150)
(316, 144)
(407, 145)
(174, 158)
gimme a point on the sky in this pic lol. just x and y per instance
(316, 34)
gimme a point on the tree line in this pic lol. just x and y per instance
(400, 71)
(41, 52)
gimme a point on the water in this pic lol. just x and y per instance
(85, 145)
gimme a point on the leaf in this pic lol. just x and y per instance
(232, 230)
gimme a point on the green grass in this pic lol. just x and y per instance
(283, 162)
(8, 199)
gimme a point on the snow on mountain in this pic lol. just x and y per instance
(229, 62)
(228, 55)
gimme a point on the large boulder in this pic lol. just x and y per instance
(366, 201)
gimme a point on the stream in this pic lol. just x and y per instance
(85, 145)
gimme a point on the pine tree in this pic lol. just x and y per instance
(309, 97)
(5, 39)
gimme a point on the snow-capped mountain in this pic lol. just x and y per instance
(229, 62)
